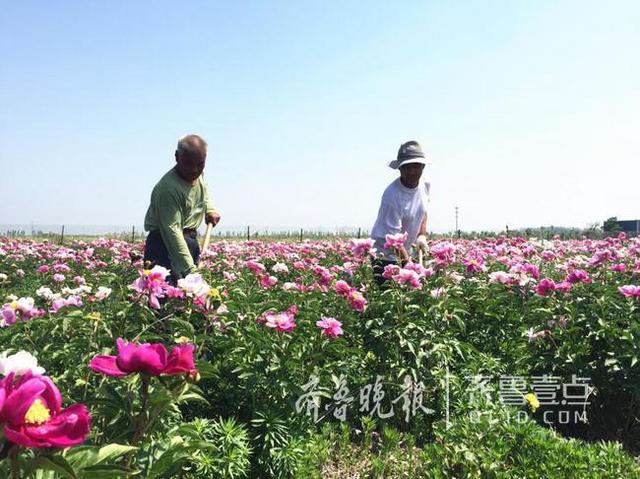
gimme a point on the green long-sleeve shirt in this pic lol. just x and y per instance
(177, 205)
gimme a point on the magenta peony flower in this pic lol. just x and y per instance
(578, 276)
(545, 287)
(30, 410)
(330, 327)
(145, 358)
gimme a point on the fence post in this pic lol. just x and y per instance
(359, 233)
(301, 234)
(62, 235)
(133, 234)
(248, 234)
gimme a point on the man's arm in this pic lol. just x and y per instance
(170, 226)
(423, 226)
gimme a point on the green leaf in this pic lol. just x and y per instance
(111, 452)
(57, 464)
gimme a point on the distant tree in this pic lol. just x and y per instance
(611, 225)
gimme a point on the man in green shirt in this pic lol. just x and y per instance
(179, 202)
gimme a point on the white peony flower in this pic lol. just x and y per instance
(194, 285)
(103, 293)
(19, 363)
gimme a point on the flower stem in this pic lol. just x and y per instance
(138, 432)
(13, 461)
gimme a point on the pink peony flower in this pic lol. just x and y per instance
(32, 415)
(22, 308)
(152, 282)
(268, 281)
(357, 301)
(563, 286)
(58, 278)
(390, 270)
(474, 264)
(173, 292)
(438, 293)
(231, 277)
(8, 315)
(330, 327)
(629, 291)
(396, 240)
(342, 288)
(619, 268)
(283, 322)
(280, 268)
(501, 277)
(60, 303)
(145, 358)
(257, 268)
(533, 335)
(361, 247)
(407, 276)
(61, 268)
(43, 268)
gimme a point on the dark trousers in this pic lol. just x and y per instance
(156, 252)
(378, 269)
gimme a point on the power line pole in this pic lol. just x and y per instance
(456, 218)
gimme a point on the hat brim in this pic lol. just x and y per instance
(396, 164)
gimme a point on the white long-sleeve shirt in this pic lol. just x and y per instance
(401, 210)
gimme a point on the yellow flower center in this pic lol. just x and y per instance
(38, 413)
(14, 305)
(147, 272)
(182, 340)
(214, 293)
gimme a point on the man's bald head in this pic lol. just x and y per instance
(191, 155)
(191, 145)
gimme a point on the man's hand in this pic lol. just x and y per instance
(404, 255)
(421, 244)
(212, 218)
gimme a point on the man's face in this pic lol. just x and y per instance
(410, 174)
(190, 165)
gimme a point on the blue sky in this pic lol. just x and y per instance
(530, 111)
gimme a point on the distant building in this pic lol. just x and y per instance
(630, 226)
